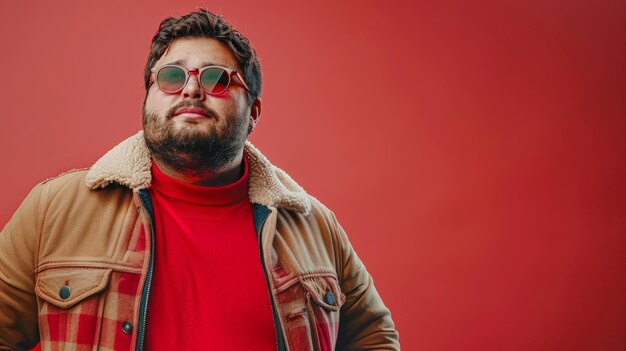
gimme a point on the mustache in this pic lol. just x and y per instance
(191, 104)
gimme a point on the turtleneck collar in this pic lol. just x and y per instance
(202, 195)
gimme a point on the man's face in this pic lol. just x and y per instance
(191, 141)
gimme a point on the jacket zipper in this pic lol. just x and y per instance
(271, 305)
(146, 290)
(269, 287)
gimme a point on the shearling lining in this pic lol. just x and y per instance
(129, 162)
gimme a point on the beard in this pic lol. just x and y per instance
(190, 147)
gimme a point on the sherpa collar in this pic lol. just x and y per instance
(129, 163)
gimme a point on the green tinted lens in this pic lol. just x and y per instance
(171, 79)
(215, 80)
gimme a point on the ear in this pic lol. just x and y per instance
(255, 114)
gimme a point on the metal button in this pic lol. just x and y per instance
(127, 327)
(330, 298)
(65, 292)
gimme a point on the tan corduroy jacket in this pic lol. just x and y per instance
(76, 262)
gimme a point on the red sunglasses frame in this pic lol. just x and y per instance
(198, 72)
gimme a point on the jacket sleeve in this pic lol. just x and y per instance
(18, 304)
(364, 323)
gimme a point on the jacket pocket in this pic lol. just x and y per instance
(66, 286)
(323, 301)
(324, 291)
(71, 305)
(311, 306)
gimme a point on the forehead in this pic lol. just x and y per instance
(198, 52)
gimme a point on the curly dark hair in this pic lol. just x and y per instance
(203, 23)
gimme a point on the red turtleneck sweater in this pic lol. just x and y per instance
(208, 288)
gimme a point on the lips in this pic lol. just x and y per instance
(192, 111)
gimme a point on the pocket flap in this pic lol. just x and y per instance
(325, 291)
(66, 286)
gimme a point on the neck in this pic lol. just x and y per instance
(228, 174)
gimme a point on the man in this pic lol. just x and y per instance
(157, 246)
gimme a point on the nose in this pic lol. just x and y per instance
(193, 90)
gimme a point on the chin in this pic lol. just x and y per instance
(189, 131)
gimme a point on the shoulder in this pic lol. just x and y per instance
(72, 180)
(66, 177)
(318, 212)
(71, 186)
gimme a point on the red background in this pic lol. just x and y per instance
(473, 150)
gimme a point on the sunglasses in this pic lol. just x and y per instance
(214, 80)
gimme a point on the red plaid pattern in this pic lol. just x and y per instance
(96, 318)
(309, 321)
